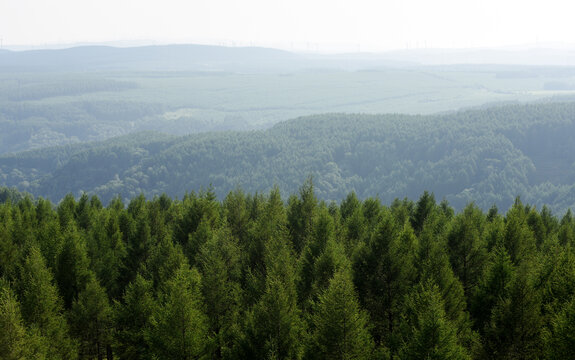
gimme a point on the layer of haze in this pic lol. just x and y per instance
(308, 25)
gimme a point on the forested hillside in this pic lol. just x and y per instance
(257, 277)
(68, 96)
(488, 155)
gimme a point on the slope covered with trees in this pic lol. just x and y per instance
(489, 156)
(254, 276)
(93, 93)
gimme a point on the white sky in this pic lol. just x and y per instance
(315, 25)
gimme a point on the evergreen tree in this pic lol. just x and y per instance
(435, 268)
(132, 320)
(270, 227)
(9, 250)
(72, 272)
(323, 233)
(301, 215)
(220, 266)
(561, 335)
(384, 271)
(494, 285)
(467, 252)
(274, 328)
(91, 321)
(42, 307)
(237, 214)
(426, 331)
(164, 260)
(107, 251)
(515, 330)
(66, 211)
(424, 207)
(15, 342)
(331, 260)
(340, 326)
(178, 328)
(519, 239)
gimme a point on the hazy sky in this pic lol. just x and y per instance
(315, 25)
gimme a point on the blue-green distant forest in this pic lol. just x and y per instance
(488, 156)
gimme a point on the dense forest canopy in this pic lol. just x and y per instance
(488, 155)
(257, 277)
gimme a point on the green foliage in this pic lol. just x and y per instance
(384, 271)
(178, 327)
(118, 284)
(561, 337)
(15, 342)
(467, 251)
(42, 307)
(219, 264)
(274, 328)
(91, 321)
(132, 320)
(427, 333)
(73, 267)
(340, 326)
(487, 155)
(494, 286)
(515, 330)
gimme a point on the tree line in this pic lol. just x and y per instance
(257, 277)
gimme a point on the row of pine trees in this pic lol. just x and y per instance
(254, 277)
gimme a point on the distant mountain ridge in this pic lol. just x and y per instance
(195, 57)
(161, 57)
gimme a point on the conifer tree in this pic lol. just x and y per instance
(561, 335)
(426, 331)
(467, 251)
(132, 320)
(164, 260)
(220, 266)
(91, 321)
(301, 215)
(270, 227)
(384, 271)
(435, 268)
(9, 250)
(237, 214)
(72, 272)
(515, 329)
(331, 260)
(42, 307)
(519, 239)
(274, 327)
(15, 341)
(107, 251)
(424, 207)
(340, 327)
(178, 327)
(494, 285)
(323, 233)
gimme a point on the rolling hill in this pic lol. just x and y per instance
(488, 155)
